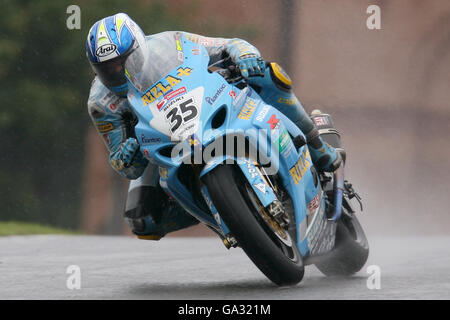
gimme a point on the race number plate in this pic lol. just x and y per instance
(178, 118)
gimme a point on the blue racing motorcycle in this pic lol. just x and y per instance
(242, 168)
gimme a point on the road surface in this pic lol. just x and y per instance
(36, 267)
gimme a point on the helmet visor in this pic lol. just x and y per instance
(112, 72)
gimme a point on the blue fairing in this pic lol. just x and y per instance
(192, 86)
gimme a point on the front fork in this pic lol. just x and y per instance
(264, 192)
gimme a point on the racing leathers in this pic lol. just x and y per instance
(149, 212)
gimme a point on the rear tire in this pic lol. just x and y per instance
(252, 237)
(351, 250)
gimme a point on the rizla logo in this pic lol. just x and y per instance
(105, 50)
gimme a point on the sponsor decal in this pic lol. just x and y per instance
(169, 96)
(151, 140)
(274, 122)
(289, 102)
(147, 154)
(314, 203)
(205, 41)
(232, 94)
(106, 138)
(113, 107)
(194, 142)
(161, 104)
(104, 126)
(108, 98)
(320, 121)
(105, 50)
(283, 140)
(195, 50)
(263, 113)
(179, 45)
(261, 187)
(175, 93)
(247, 110)
(251, 169)
(299, 169)
(163, 172)
(315, 229)
(164, 86)
(180, 56)
(213, 99)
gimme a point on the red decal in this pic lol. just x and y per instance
(320, 121)
(273, 122)
(175, 93)
(113, 107)
(160, 104)
(314, 204)
(232, 94)
(106, 138)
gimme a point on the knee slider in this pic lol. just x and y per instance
(280, 77)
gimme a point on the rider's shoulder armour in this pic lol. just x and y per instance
(103, 102)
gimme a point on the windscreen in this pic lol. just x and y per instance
(147, 65)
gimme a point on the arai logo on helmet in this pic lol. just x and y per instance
(105, 50)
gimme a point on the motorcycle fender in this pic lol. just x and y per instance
(252, 174)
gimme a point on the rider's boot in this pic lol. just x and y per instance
(149, 211)
(275, 88)
(328, 133)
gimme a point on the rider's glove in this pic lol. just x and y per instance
(247, 58)
(128, 152)
(251, 66)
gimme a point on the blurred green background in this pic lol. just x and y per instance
(44, 89)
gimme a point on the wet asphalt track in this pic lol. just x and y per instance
(34, 267)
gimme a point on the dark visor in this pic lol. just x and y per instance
(112, 72)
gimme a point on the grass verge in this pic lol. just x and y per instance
(11, 228)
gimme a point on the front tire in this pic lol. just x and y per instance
(233, 206)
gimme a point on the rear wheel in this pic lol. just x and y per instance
(351, 249)
(271, 248)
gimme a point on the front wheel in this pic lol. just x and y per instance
(280, 262)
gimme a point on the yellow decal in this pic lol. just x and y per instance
(162, 88)
(117, 164)
(194, 142)
(184, 72)
(247, 110)
(179, 46)
(163, 172)
(104, 127)
(286, 101)
(299, 169)
(159, 89)
(172, 81)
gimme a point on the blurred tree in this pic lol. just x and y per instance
(45, 85)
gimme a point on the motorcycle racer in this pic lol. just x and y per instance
(116, 43)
